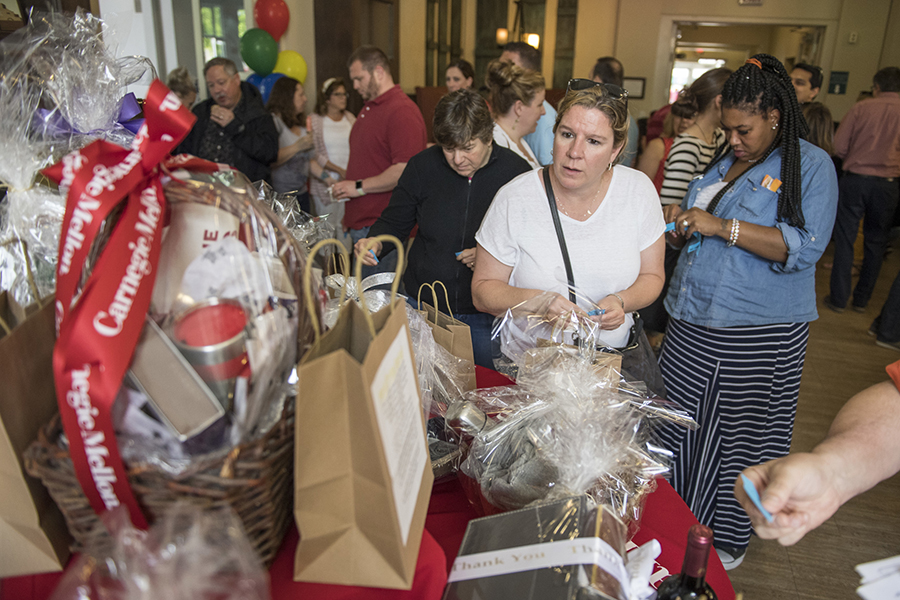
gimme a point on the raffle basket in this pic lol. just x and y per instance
(254, 477)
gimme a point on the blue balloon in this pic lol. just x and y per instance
(255, 79)
(265, 86)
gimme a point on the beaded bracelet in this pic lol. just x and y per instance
(735, 232)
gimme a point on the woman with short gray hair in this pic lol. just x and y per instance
(446, 190)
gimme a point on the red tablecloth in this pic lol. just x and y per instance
(666, 518)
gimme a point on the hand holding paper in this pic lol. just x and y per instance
(798, 490)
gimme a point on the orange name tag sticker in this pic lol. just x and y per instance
(770, 183)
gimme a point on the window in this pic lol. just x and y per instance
(222, 24)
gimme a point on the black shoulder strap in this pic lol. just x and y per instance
(559, 234)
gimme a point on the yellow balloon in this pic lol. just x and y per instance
(291, 64)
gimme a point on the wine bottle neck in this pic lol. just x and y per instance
(695, 561)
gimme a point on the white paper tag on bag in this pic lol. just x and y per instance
(398, 411)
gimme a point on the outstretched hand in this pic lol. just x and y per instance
(800, 490)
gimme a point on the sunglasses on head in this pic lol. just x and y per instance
(576, 85)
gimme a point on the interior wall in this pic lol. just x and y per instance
(595, 34)
(890, 52)
(548, 41)
(868, 19)
(470, 14)
(785, 43)
(412, 45)
(755, 36)
(301, 37)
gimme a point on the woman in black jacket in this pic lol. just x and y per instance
(446, 190)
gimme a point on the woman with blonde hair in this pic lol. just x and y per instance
(516, 99)
(184, 86)
(611, 224)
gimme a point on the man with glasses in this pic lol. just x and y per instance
(233, 127)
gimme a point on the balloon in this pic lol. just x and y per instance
(259, 50)
(273, 16)
(255, 79)
(265, 86)
(291, 64)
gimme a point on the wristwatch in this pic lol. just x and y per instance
(359, 189)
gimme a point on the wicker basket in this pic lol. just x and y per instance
(255, 480)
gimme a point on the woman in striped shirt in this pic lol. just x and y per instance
(693, 149)
(691, 152)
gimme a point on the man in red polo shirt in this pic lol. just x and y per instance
(388, 132)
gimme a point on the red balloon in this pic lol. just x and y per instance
(272, 16)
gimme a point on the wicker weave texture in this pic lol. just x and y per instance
(255, 480)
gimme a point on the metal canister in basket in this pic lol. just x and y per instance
(212, 337)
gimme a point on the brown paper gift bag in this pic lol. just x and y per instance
(362, 472)
(450, 333)
(33, 534)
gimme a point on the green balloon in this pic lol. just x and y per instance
(259, 50)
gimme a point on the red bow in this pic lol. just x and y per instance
(99, 329)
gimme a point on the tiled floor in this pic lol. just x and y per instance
(841, 359)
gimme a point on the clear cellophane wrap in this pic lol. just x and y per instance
(60, 89)
(188, 554)
(571, 425)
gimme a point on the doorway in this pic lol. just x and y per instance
(701, 46)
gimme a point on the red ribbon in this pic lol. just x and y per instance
(99, 329)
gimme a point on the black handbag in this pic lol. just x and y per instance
(638, 360)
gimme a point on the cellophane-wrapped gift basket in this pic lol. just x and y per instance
(571, 425)
(178, 327)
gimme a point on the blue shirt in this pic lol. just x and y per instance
(718, 286)
(541, 141)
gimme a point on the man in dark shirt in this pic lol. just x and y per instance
(233, 126)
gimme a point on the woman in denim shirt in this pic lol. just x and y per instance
(741, 302)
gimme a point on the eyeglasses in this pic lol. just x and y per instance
(577, 85)
(341, 94)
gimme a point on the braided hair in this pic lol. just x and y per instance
(758, 86)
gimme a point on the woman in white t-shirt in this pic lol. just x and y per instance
(610, 215)
(330, 126)
(517, 102)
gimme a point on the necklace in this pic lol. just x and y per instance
(706, 139)
(588, 212)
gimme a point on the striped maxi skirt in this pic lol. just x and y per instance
(741, 385)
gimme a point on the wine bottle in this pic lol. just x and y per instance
(691, 584)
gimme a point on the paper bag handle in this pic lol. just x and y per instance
(395, 285)
(307, 274)
(434, 298)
